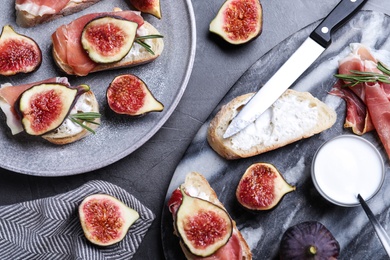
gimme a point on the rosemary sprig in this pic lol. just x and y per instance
(358, 77)
(141, 41)
(383, 68)
(89, 117)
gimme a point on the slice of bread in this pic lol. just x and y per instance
(26, 19)
(70, 132)
(137, 55)
(294, 116)
(197, 186)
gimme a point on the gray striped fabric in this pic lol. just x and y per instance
(49, 228)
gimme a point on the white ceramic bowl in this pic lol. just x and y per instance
(345, 166)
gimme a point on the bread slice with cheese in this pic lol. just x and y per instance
(138, 55)
(68, 131)
(196, 185)
(32, 13)
(294, 116)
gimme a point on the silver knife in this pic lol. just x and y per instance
(290, 71)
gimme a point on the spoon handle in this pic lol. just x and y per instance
(380, 231)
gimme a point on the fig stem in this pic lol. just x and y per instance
(84, 88)
(140, 41)
(312, 250)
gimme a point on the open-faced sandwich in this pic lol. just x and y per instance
(294, 116)
(52, 109)
(105, 41)
(32, 12)
(205, 228)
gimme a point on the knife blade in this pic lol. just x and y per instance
(318, 40)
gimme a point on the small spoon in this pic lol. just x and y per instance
(380, 231)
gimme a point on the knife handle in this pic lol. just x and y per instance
(344, 10)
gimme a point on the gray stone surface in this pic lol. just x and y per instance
(147, 172)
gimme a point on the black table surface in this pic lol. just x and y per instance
(147, 172)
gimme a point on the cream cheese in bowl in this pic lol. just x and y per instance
(346, 166)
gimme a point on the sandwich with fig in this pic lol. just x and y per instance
(30, 13)
(51, 109)
(294, 116)
(105, 41)
(200, 220)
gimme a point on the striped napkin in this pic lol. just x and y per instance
(49, 228)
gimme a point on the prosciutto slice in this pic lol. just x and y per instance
(67, 44)
(357, 117)
(40, 7)
(379, 107)
(230, 251)
(368, 104)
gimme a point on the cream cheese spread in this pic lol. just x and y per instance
(34, 9)
(287, 118)
(83, 104)
(192, 191)
(40, 10)
(136, 50)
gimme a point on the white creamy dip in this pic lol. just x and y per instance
(345, 166)
(287, 118)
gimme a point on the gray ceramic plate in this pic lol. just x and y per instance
(118, 136)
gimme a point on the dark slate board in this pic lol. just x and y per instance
(264, 230)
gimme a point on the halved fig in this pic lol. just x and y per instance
(238, 21)
(203, 226)
(262, 187)
(128, 94)
(148, 6)
(18, 53)
(108, 39)
(105, 220)
(44, 107)
(309, 240)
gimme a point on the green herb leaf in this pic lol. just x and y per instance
(89, 117)
(356, 77)
(141, 41)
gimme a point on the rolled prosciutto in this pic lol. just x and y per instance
(368, 104)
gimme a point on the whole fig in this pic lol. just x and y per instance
(309, 240)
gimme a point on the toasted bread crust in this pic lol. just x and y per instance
(25, 19)
(198, 181)
(61, 139)
(129, 61)
(218, 125)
